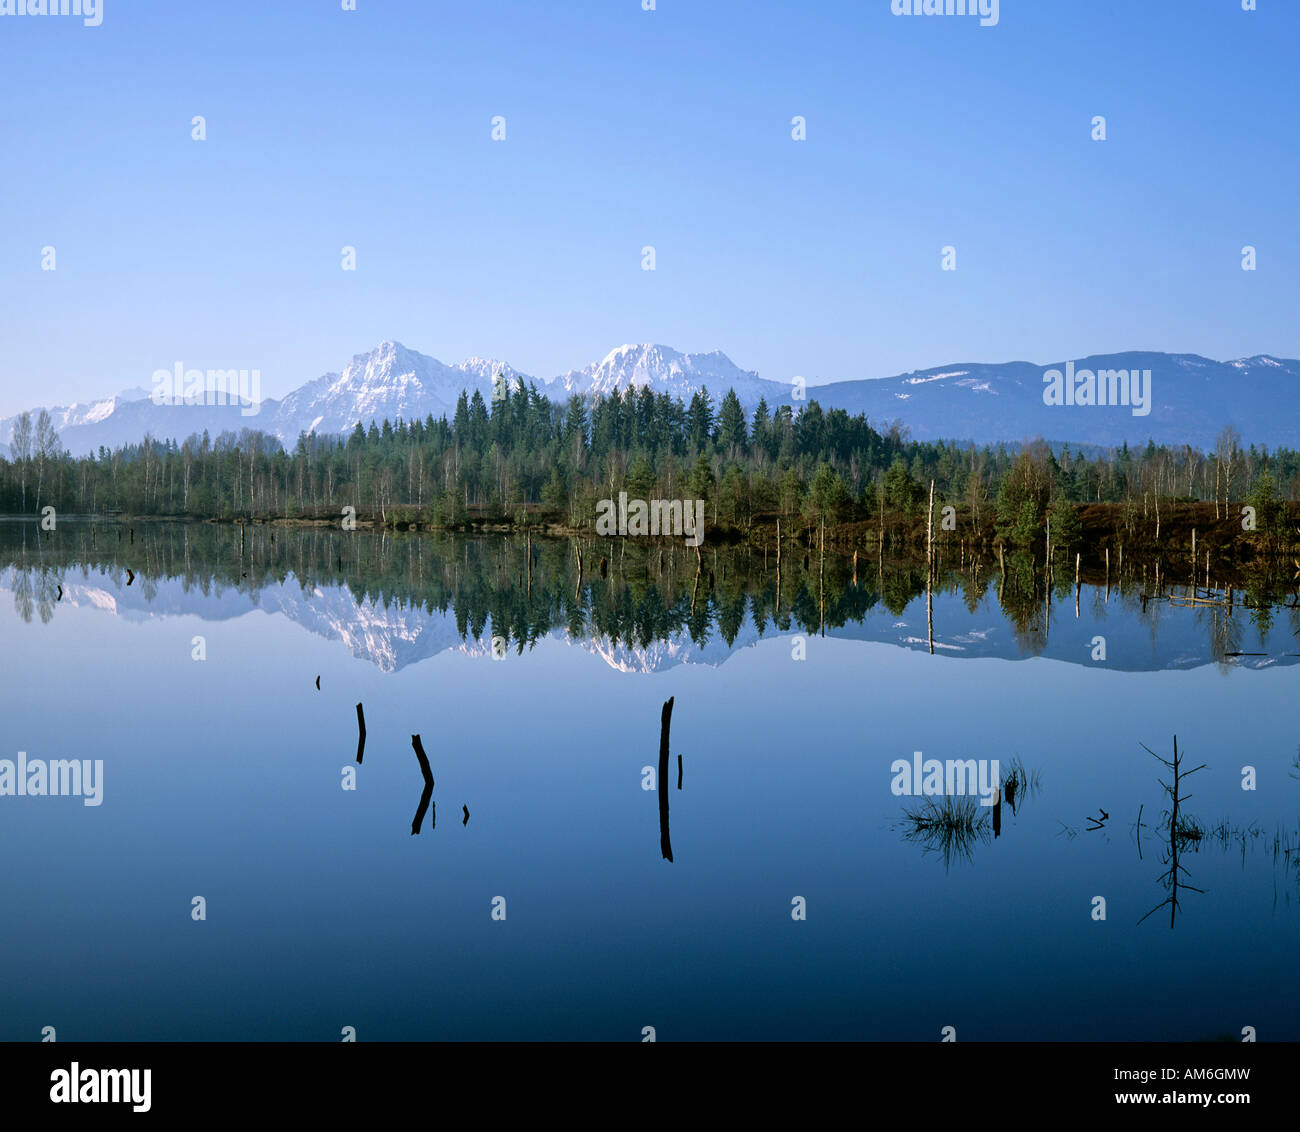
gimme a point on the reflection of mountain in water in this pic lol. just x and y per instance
(391, 637)
(395, 601)
(398, 599)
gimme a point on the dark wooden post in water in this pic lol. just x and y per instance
(427, 794)
(361, 732)
(929, 531)
(821, 579)
(929, 571)
(679, 772)
(1047, 601)
(665, 724)
(778, 567)
(929, 613)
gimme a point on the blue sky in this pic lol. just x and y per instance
(627, 128)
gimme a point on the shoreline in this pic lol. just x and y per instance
(1106, 533)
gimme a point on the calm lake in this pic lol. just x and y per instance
(801, 901)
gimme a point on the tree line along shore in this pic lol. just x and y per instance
(526, 463)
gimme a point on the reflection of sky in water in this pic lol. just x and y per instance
(222, 780)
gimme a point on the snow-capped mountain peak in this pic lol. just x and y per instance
(665, 370)
(390, 381)
(1193, 397)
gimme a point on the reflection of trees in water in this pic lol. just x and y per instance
(47, 593)
(1224, 633)
(1224, 614)
(649, 592)
(731, 615)
(23, 603)
(1023, 603)
(974, 587)
(900, 586)
(1100, 604)
(1150, 614)
(1259, 596)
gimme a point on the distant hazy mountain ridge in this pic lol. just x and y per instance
(1192, 398)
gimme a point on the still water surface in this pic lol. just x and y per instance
(222, 778)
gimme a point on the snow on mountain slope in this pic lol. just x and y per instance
(1192, 398)
(386, 383)
(79, 413)
(665, 370)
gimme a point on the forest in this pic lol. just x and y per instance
(526, 460)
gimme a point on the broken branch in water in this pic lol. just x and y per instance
(427, 794)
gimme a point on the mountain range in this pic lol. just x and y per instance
(1192, 398)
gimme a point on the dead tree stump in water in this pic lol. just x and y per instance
(665, 725)
(427, 795)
